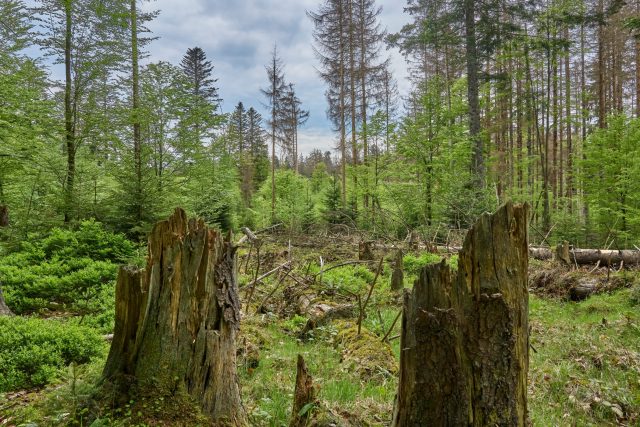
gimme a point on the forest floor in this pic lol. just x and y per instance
(584, 358)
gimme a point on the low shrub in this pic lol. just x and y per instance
(68, 270)
(414, 263)
(33, 351)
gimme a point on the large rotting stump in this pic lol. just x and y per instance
(177, 321)
(464, 343)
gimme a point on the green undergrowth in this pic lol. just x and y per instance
(34, 352)
(268, 387)
(585, 369)
(71, 271)
(584, 362)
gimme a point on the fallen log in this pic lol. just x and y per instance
(541, 254)
(604, 256)
(589, 256)
(582, 290)
(322, 314)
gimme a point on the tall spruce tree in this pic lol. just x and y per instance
(292, 117)
(202, 115)
(274, 94)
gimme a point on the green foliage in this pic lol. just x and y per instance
(611, 172)
(72, 270)
(353, 279)
(295, 203)
(333, 211)
(33, 351)
(414, 263)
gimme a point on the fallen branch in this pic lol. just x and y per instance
(391, 328)
(267, 274)
(273, 291)
(342, 264)
(373, 284)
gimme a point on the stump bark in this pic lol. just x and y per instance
(464, 341)
(365, 253)
(177, 321)
(397, 276)
(303, 395)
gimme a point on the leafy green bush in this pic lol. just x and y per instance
(413, 264)
(349, 279)
(65, 270)
(32, 351)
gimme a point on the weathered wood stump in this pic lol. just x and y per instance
(397, 276)
(177, 321)
(562, 253)
(464, 341)
(4, 310)
(365, 252)
(304, 395)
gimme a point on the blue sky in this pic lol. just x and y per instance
(238, 37)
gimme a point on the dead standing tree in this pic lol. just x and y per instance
(465, 343)
(177, 320)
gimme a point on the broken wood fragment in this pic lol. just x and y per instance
(397, 276)
(304, 396)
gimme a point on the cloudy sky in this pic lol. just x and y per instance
(238, 37)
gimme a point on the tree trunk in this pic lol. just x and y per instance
(4, 216)
(177, 321)
(305, 394)
(69, 128)
(473, 88)
(4, 310)
(465, 336)
(135, 107)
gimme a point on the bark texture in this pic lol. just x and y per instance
(397, 276)
(587, 256)
(177, 320)
(464, 341)
(304, 394)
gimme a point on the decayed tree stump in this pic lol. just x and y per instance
(303, 395)
(365, 252)
(464, 342)
(177, 321)
(397, 276)
(4, 310)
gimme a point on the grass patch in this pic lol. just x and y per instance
(586, 367)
